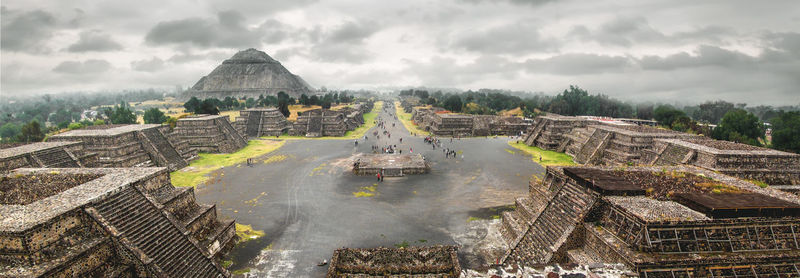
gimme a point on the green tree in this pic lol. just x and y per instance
(193, 104)
(666, 115)
(154, 116)
(453, 103)
(75, 126)
(9, 131)
(304, 99)
(31, 132)
(208, 106)
(786, 131)
(741, 126)
(123, 114)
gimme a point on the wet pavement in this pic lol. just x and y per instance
(305, 203)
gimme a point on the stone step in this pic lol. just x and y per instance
(146, 227)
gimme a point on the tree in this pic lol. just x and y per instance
(666, 115)
(326, 104)
(786, 131)
(644, 112)
(712, 112)
(31, 132)
(741, 126)
(283, 106)
(9, 131)
(123, 114)
(313, 100)
(154, 116)
(192, 104)
(453, 103)
(304, 99)
(208, 106)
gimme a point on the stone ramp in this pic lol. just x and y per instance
(314, 126)
(55, 158)
(537, 245)
(146, 228)
(236, 139)
(593, 147)
(174, 160)
(253, 124)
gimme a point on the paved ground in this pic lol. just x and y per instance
(306, 206)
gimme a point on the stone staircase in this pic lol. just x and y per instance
(537, 130)
(593, 147)
(253, 124)
(545, 235)
(55, 158)
(576, 139)
(314, 126)
(234, 137)
(174, 160)
(139, 222)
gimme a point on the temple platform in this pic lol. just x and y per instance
(390, 165)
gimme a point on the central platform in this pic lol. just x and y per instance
(390, 165)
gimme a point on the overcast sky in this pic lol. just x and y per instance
(670, 50)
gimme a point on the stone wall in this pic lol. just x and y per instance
(209, 134)
(320, 122)
(261, 122)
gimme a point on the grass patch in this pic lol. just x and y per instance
(247, 233)
(366, 191)
(227, 263)
(549, 158)
(473, 218)
(405, 118)
(241, 271)
(197, 171)
(759, 183)
(232, 114)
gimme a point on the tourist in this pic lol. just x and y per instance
(379, 176)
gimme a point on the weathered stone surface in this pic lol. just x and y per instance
(209, 134)
(120, 222)
(429, 261)
(259, 122)
(249, 73)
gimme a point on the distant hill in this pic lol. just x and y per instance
(249, 73)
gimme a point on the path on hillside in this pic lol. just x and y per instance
(308, 208)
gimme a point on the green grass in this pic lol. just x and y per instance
(359, 132)
(247, 233)
(198, 170)
(549, 158)
(405, 118)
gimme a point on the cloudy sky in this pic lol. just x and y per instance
(670, 50)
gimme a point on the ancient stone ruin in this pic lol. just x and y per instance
(95, 222)
(249, 73)
(430, 261)
(209, 134)
(46, 155)
(602, 144)
(320, 122)
(131, 145)
(748, 162)
(390, 165)
(257, 122)
(679, 221)
(549, 131)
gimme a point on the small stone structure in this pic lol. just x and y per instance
(409, 102)
(451, 125)
(547, 132)
(508, 125)
(98, 222)
(45, 155)
(320, 122)
(257, 122)
(390, 165)
(604, 144)
(423, 116)
(209, 134)
(131, 145)
(429, 261)
(679, 221)
(735, 159)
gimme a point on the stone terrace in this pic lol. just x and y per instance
(46, 155)
(392, 165)
(445, 124)
(422, 262)
(111, 223)
(259, 122)
(210, 134)
(548, 131)
(744, 161)
(129, 146)
(654, 221)
(320, 122)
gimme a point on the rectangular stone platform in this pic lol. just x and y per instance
(390, 165)
(47, 155)
(429, 261)
(107, 222)
(209, 134)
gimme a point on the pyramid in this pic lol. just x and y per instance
(249, 73)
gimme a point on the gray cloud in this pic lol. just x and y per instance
(227, 30)
(628, 31)
(90, 66)
(516, 2)
(446, 72)
(352, 32)
(26, 31)
(515, 38)
(577, 64)
(339, 53)
(705, 56)
(151, 65)
(94, 40)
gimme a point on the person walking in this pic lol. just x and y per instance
(379, 176)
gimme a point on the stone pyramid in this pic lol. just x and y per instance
(249, 73)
